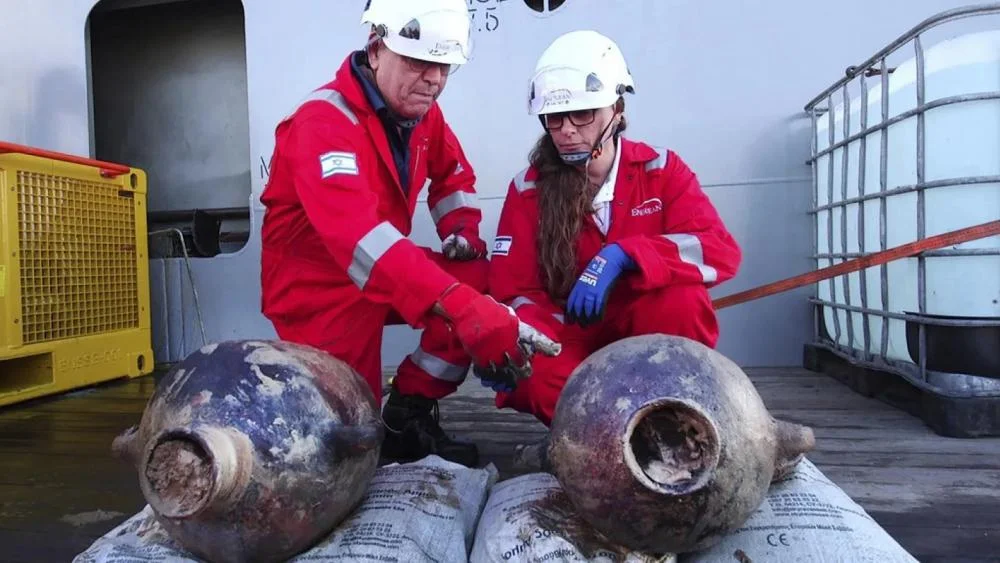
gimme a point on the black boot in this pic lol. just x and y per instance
(412, 432)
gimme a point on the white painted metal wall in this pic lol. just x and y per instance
(722, 83)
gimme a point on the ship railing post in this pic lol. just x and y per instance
(829, 218)
(921, 216)
(862, 158)
(814, 230)
(882, 212)
(845, 159)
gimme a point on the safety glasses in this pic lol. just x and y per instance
(579, 118)
(419, 66)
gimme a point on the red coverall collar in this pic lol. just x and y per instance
(634, 152)
(349, 87)
(353, 92)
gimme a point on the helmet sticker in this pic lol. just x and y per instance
(444, 47)
(559, 97)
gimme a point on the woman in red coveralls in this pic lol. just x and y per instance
(601, 237)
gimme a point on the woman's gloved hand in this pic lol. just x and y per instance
(589, 296)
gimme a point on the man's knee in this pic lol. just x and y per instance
(533, 397)
(683, 310)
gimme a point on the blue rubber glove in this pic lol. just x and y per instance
(497, 378)
(498, 386)
(589, 296)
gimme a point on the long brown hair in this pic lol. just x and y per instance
(565, 197)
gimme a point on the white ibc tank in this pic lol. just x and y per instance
(962, 140)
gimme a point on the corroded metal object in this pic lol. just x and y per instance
(665, 446)
(255, 450)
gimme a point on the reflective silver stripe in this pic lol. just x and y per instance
(438, 368)
(452, 202)
(521, 184)
(659, 162)
(518, 301)
(369, 249)
(691, 252)
(332, 97)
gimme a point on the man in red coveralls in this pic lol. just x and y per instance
(601, 237)
(347, 168)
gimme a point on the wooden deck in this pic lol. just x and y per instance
(939, 497)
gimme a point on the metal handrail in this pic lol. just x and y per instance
(933, 21)
(948, 182)
(922, 108)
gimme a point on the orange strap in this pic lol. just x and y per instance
(876, 258)
(108, 169)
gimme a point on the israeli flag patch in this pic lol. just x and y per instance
(501, 245)
(338, 163)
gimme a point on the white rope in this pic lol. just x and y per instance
(187, 263)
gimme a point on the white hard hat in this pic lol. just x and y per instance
(438, 31)
(579, 70)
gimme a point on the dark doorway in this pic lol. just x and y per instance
(168, 89)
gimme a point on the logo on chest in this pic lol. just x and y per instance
(649, 207)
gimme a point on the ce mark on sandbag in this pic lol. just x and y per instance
(774, 540)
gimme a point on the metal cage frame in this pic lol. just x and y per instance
(917, 374)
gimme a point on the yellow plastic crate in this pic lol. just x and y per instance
(74, 273)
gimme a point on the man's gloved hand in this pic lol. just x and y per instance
(463, 246)
(589, 296)
(506, 377)
(491, 333)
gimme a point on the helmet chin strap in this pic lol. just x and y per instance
(576, 157)
(584, 157)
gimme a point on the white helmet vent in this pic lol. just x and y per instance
(411, 30)
(594, 83)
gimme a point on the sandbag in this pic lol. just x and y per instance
(530, 518)
(412, 512)
(806, 517)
